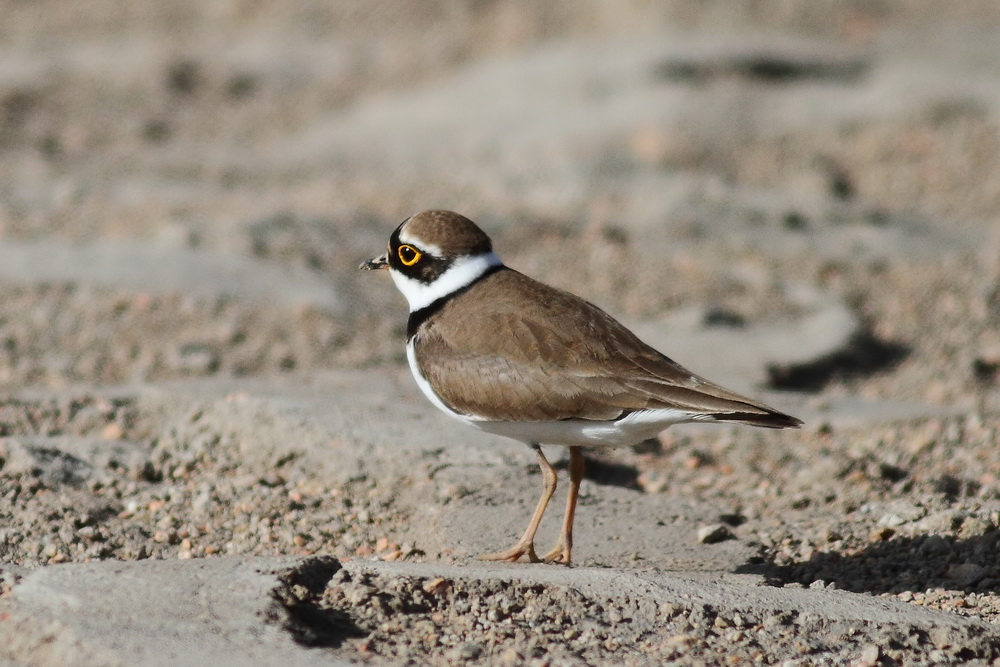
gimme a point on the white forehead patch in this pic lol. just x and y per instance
(424, 246)
(461, 273)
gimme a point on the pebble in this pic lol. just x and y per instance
(869, 656)
(943, 521)
(714, 533)
(973, 527)
(467, 651)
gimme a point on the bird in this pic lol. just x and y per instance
(512, 356)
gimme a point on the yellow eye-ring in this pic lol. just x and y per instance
(408, 255)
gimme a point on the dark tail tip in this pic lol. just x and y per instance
(766, 420)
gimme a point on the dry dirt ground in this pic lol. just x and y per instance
(208, 435)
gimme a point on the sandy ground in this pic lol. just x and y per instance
(212, 450)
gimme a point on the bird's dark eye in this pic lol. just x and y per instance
(408, 255)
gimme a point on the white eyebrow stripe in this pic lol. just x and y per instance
(429, 248)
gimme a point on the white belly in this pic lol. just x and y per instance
(632, 429)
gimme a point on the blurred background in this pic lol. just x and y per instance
(795, 198)
(752, 159)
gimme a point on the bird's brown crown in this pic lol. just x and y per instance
(443, 233)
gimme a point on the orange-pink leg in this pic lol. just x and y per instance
(562, 553)
(526, 545)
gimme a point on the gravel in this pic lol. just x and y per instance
(664, 169)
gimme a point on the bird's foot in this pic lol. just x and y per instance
(559, 555)
(514, 553)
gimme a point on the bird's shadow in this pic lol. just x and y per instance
(607, 472)
(896, 565)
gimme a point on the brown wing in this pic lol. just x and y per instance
(489, 354)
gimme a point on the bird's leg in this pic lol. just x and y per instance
(562, 551)
(526, 545)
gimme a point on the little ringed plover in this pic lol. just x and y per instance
(512, 356)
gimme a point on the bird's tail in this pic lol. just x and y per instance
(769, 419)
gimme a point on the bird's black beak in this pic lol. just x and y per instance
(374, 264)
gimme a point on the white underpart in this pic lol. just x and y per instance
(425, 386)
(462, 272)
(634, 428)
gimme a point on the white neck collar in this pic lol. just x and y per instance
(462, 273)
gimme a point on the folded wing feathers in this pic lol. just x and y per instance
(513, 362)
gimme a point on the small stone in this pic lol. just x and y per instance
(669, 609)
(467, 651)
(682, 640)
(973, 527)
(511, 657)
(869, 656)
(716, 532)
(941, 637)
(891, 520)
(881, 534)
(436, 585)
